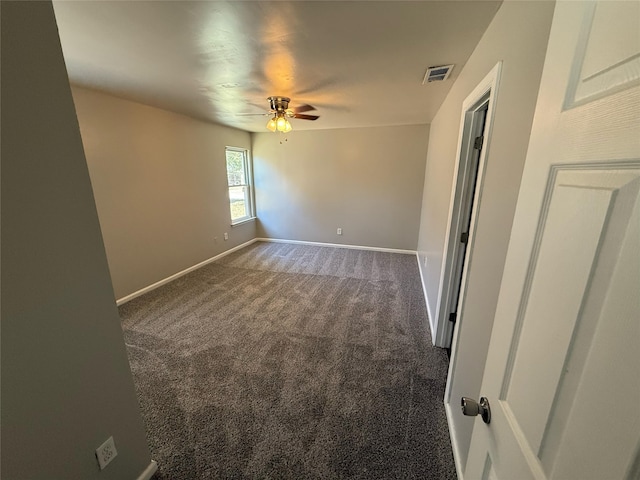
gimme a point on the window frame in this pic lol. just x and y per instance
(248, 185)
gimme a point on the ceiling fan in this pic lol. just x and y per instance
(281, 113)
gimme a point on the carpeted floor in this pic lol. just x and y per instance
(285, 361)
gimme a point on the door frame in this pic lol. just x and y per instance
(485, 93)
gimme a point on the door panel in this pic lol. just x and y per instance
(567, 252)
(563, 371)
(604, 62)
(602, 359)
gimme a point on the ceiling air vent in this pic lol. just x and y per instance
(437, 74)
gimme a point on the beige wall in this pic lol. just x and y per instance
(368, 181)
(160, 184)
(518, 36)
(66, 383)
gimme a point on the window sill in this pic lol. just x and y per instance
(245, 220)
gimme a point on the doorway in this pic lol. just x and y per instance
(473, 146)
(476, 137)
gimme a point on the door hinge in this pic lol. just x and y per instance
(464, 237)
(477, 144)
(452, 317)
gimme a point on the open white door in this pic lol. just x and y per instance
(563, 373)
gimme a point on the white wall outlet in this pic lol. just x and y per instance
(226, 236)
(106, 452)
(339, 232)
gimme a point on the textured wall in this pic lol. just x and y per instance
(66, 383)
(160, 184)
(368, 181)
(518, 36)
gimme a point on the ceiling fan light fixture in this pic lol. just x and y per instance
(281, 123)
(281, 113)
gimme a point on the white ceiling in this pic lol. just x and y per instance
(360, 63)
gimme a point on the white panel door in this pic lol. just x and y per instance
(563, 372)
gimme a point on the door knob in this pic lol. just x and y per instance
(471, 408)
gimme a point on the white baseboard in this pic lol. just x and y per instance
(149, 471)
(426, 301)
(170, 278)
(454, 441)
(164, 281)
(338, 245)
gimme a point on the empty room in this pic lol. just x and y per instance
(320, 240)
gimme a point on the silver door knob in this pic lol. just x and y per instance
(471, 408)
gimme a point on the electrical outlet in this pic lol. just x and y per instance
(215, 239)
(226, 236)
(339, 232)
(106, 452)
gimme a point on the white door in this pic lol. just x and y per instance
(563, 372)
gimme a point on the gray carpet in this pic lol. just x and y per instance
(285, 361)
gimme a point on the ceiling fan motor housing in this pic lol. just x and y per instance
(279, 104)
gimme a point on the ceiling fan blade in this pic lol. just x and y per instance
(251, 114)
(303, 108)
(306, 117)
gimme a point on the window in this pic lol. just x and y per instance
(239, 180)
